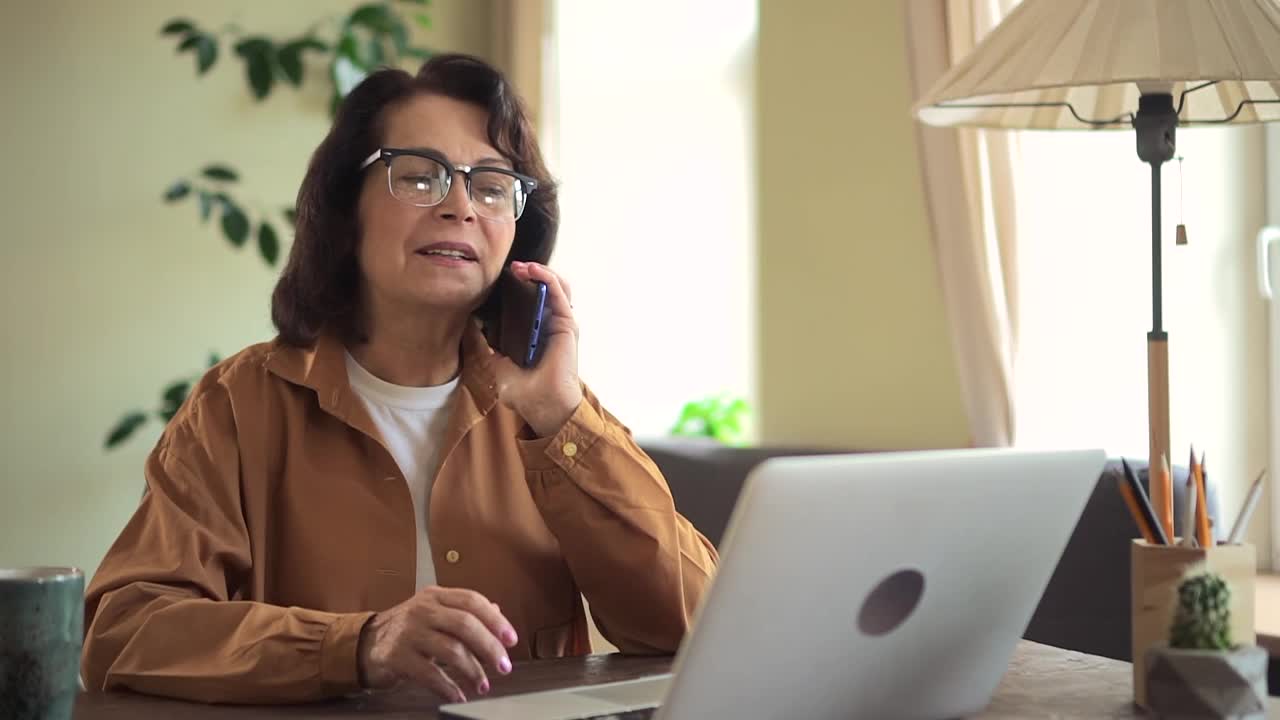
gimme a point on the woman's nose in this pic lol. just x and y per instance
(456, 205)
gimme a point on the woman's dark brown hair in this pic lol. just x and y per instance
(319, 289)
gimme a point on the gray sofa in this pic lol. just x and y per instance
(1085, 606)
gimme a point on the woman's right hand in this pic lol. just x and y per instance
(441, 638)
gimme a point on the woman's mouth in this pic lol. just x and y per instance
(447, 254)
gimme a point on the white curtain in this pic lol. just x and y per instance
(968, 178)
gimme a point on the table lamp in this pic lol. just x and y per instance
(1151, 65)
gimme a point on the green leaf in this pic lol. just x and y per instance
(173, 396)
(399, 35)
(346, 75)
(417, 2)
(178, 27)
(417, 52)
(423, 20)
(254, 45)
(376, 55)
(349, 47)
(260, 76)
(220, 172)
(374, 16)
(124, 429)
(268, 244)
(214, 359)
(289, 57)
(235, 225)
(177, 191)
(176, 393)
(206, 53)
(206, 205)
(291, 215)
(258, 53)
(190, 42)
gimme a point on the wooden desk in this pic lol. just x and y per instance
(1267, 613)
(1042, 682)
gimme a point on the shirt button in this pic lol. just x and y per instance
(452, 556)
(569, 449)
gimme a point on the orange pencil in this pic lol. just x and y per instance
(1203, 536)
(1136, 513)
(1144, 518)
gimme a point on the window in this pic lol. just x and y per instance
(652, 142)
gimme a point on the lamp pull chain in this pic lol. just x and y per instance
(1182, 228)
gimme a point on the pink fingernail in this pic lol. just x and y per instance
(504, 665)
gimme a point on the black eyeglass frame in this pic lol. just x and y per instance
(387, 154)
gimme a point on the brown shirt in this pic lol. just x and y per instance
(275, 522)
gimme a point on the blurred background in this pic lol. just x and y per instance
(772, 279)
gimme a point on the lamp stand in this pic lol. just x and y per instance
(1156, 124)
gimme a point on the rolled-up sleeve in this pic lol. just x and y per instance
(162, 613)
(641, 565)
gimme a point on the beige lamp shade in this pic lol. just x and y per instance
(1064, 64)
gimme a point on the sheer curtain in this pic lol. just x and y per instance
(975, 239)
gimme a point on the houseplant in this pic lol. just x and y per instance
(349, 46)
(720, 417)
(1202, 673)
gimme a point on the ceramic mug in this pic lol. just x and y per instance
(41, 633)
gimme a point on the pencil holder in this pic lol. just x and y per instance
(1155, 572)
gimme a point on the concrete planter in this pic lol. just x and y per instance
(1226, 684)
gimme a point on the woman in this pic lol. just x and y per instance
(376, 496)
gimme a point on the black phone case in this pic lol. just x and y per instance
(509, 333)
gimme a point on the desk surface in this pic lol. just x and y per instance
(1042, 681)
(1267, 612)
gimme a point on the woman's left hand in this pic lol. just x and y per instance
(548, 394)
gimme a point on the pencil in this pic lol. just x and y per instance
(1203, 535)
(1242, 520)
(1136, 498)
(1189, 515)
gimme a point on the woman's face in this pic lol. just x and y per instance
(400, 243)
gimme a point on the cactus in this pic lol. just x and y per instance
(1202, 620)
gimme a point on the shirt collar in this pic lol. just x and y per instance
(322, 368)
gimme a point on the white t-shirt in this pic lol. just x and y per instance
(412, 422)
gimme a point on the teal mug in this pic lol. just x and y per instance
(41, 633)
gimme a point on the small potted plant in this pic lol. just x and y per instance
(720, 417)
(1202, 673)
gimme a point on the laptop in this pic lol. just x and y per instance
(888, 585)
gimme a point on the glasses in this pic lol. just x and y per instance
(423, 178)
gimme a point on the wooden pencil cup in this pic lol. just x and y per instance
(1155, 572)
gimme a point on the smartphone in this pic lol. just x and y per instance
(519, 330)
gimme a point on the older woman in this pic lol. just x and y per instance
(378, 497)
